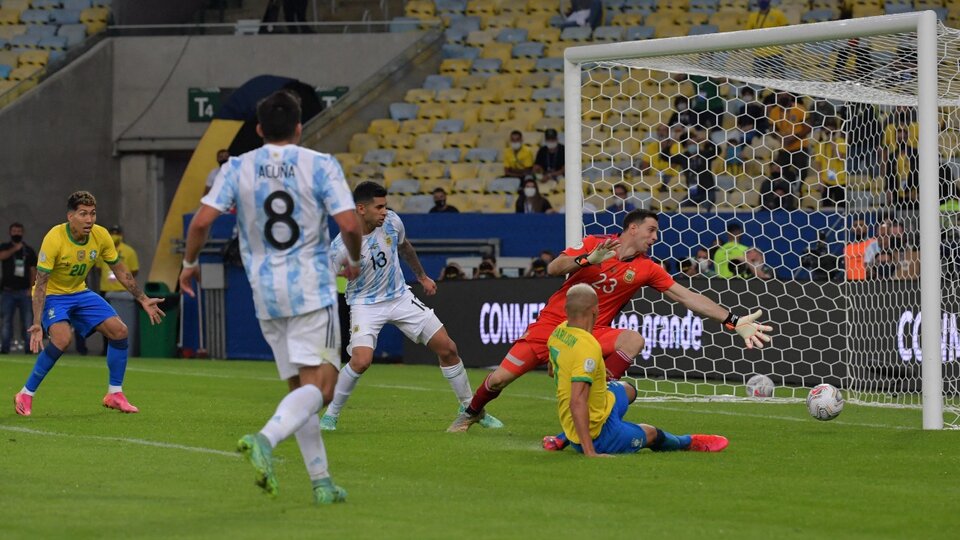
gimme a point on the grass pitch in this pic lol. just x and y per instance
(76, 470)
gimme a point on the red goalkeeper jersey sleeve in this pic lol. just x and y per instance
(614, 280)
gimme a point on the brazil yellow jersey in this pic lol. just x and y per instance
(576, 357)
(108, 280)
(68, 261)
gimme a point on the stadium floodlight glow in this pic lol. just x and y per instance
(617, 94)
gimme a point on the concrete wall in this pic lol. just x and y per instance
(56, 139)
(145, 66)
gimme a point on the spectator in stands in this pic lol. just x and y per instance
(884, 265)
(440, 205)
(831, 155)
(111, 289)
(777, 195)
(704, 263)
(789, 122)
(863, 120)
(660, 150)
(223, 155)
(853, 61)
(19, 272)
(622, 200)
(518, 158)
(538, 269)
(706, 104)
(695, 163)
(584, 13)
(682, 113)
(531, 201)
(549, 163)
(452, 271)
(296, 11)
(755, 267)
(547, 256)
(486, 270)
(889, 243)
(688, 267)
(900, 158)
(731, 251)
(767, 61)
(491, 262)
(855, 251)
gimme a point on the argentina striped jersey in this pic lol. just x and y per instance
(381, 277)
(283, 196)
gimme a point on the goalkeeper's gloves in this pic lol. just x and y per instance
(753, 333)
(602, 252)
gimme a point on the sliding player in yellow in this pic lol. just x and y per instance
(591, 410)
(61, 299)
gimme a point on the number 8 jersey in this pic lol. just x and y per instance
(381, 277)
(283, 195)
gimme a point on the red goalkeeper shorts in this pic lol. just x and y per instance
(530, 350)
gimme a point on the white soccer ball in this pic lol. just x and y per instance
(760, 386)
(825, 402)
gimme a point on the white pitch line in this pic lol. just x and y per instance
(141, 442)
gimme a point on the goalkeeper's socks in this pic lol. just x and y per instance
(482, 396)
(292, 413)
(617, 364)
(668, 442)
(117, 361)
(45, 361)
(456, 375)
(346, 382)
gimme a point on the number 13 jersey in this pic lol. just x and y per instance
(381, 277)
(283, 195)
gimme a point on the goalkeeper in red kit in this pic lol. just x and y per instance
(616, 266)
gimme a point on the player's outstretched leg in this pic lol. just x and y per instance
(60, 333)
(258, 451)
(667, 442)
(451, 365)
(488, 390)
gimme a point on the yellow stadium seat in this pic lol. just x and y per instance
(10, 31)
(348, 159)
(9, 58)
(428, 142)
(514, 7)
(668, 29)
(366, 171)
(548, 7)
(360, 143)
(627, 19)
(463, 140)
(428, 185)
(494, 113)
(463, 201)
(502, 51)
(459, 171)
(432, 111)
(500, 82)
(472, 82)
(482, 8)
(519, 65)
(499, 22)
(9, 16)
(536, 80)
(455, 66)
(467, 113)
(544, 35)
(416, 127)
(409, 158)
(517, 95)
(532, 22)
(473, 186)
(383, 126)
(95, 15)
(693, 18)
(489, 171)
(479, 38)
(428, 171)
(483, 97)
(95, 27)
(555, 50)
(452, 95)
(421, 9)
(544, 124)
(394, 173)
(397, 141)
(34, 58)
(419, 95)
(490, 203)
(16, 5)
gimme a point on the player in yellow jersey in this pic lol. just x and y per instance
(591, 410)
(61, 300)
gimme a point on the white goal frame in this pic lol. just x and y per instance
(923, 23)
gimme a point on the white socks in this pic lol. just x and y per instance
(457, 377)
(111, 389)
(345, 385)
(292, 413)
(312, 449)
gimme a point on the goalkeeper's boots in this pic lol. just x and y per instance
(326, 492)
(487, 420)
(328, 423)
(707, 443)
(256, 448)
(23, 404)
(119, 402)
(555, 444)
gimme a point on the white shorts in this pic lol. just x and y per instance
(415, 320)
(304, 340)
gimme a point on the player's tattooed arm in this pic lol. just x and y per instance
(127, 280)
(409, 254)
(40, 295)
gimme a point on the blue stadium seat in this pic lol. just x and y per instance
(636, 33)
(75, 33)
(704, 6)
(456, 35)
(504, 184)
(485, 155)
(35, 16)
(46, 4)
(512, 35)
(25, 41)
(56, 56)
(381, 156)
(404, 185)
(486, 65)
(78, 5)
(65, 16)
(576, 33)
(702, 29)
(445, 155)
(465, 24)
(548, 94)
(450, 125)
(404, 24)
(437, 82)
(403, 111)
(451, 6)
(893, 8)
(608, 33)
(3, 44)
(53, 43)
(102, 3)
(819, 15)
(5, 71)
(553, 109)
(557, 21)
(452, 50)
(42, 30)
(527, 49)
(554, 64)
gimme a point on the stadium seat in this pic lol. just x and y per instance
(409, 158)
(437, 82)
(451, 95)
(394, 173)
(23, 72)
(527, 49)
(383, 126)
(445, 155)
(348, 159)
(453, 50)
(432, 111)
(428, 142)
(460, 171)
(16, 5)
(627, 19)
(398, 141)
(554, 65)
(94, 15)
(692, 19)
(75, 33)
(417, 127)
(517, 95)
(382, 157)
(553, 109)
(448, 125)
(418, 204)
(541, 6)
(703, 29)
(535, 80)
(494, 113)
(575, 33)
(502, 51)
(403, 185)
(77, 4)
(35, 16)
(428, 171)
(9, 58)
(421, 9)
(34, 58)
(544, 35)
(470, 185)
(463, 141)
(5, 70)
(608, 33)
(894, 8)
(360, 143)
(42, 30)
(25, 41)
(479, 38)
(486, 65)
(637, 33)
(499, 22)
(503, 184)
(512, 35)
(519, 65)
(9, 16)
(482, 155)
(403, 111)
(482, 96)
(451, 6)
(65, 16)
(419, 95)
(819, 15)
(467, 113)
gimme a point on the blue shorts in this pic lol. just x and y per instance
(84, 310)
(618, 436)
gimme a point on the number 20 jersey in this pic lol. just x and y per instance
(381, 277)
(283, 195)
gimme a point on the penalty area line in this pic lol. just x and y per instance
(141, 442)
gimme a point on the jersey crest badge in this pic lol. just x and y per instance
(93, 254)
(389, 241)
(629, 276)
(43, 257)
(589, 365)
(80, 255)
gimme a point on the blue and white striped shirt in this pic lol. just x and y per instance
(381, 277)
(283, 196)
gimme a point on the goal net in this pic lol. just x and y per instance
(796, 171)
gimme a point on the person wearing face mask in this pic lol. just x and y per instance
(517, 158)
(549, 162)
(223, 155)
(767, 60)
(19, 273)
(531, 201)
(440, 203)
(110, 286)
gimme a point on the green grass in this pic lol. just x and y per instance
(80, 471)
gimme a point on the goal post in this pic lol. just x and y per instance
(596, 146)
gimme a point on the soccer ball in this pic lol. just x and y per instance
(825, 402)
(760, 386)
